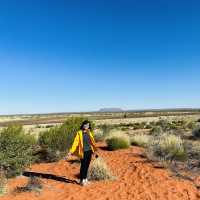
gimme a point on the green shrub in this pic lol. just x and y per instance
(16, 150)
(140, 140)
(60, 138)
(196, 132)
(117, 140)
(167, 147)
(99, 171)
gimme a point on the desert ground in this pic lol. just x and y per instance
(136, 177)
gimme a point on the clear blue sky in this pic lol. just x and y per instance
(63, 56)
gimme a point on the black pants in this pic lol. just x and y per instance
(85, 162)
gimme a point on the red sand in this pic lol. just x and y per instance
(137, 180)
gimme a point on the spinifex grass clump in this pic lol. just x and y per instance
(140, 140)
(16, 150)
(99, 171)
(117, 140)
(167, 147)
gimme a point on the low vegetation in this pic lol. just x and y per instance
(196, 132)
(140, 140)
(16, 150)
(34, 184)
(167, 147)
(3, 183)
(99, 171)
(117, 140)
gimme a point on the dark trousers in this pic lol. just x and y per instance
(85, 162)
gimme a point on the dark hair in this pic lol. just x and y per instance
(84, 123)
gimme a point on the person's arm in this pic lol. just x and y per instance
(74, 146)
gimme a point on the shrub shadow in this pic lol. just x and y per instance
(49, 176)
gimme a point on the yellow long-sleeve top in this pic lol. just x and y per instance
(77, 146)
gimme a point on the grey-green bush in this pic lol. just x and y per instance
(196, 132)
(167, 147)
(16, 150)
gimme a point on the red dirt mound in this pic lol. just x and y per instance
(136, 180)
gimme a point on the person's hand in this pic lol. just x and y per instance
(96, 155)
(67, 157)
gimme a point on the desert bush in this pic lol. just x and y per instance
(193, 149)
(16, 150)
(156, 131)
(196, 132)
(167, 147)
(139, 125)
(140, 140)
(60, 138)
(99, 171)
(191, 125)
(117, 140)
(3, 183)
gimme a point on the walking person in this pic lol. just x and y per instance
(83, 147)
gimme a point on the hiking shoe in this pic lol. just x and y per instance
(83, 182)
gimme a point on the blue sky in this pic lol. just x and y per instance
(63, 56)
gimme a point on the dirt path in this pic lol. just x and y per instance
(137, 180)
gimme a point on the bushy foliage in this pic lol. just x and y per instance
(16, 150)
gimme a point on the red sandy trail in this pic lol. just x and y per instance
(137, 180)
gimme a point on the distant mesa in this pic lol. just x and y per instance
(110, 110)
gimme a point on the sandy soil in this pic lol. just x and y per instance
(137, 180)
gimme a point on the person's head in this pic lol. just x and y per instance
(86, 125)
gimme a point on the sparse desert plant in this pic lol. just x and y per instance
(196, 132)
(99, 171)
(193, 150)
(34, 184)
(16, 150)
(3, 183)
(140, 140)
(117, 140)
(167, 147)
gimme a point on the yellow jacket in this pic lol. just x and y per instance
(77, 146)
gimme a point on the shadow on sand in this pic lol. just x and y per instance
(49, 176)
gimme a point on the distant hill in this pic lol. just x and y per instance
(111, 110)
